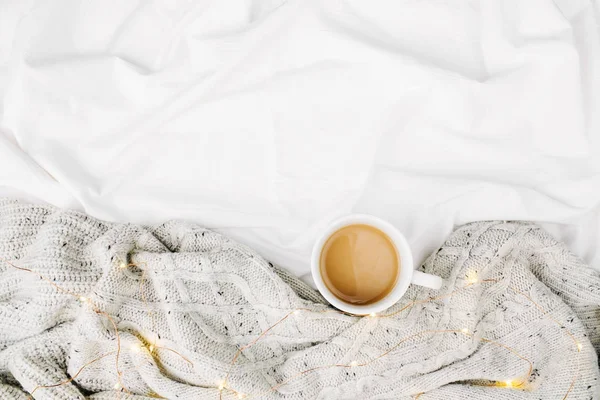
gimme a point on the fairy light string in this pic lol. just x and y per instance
(519, 383)
(508, 383)
(472, 279)
(155, 342)
(117, 353)
(79, 371)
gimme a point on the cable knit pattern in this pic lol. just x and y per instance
(206, 296)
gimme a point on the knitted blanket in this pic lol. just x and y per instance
(90, 309)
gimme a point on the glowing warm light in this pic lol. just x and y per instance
(464, 330)
(117, 386)
(509, 383)
(579, 346)
(472, 277)
(83, 299)
(122, 265)
(135, 348)
(296, 312)
(151, 348)
(372, 315)
(221, 385)
(353, 363)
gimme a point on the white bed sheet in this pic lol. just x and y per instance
(266, 119)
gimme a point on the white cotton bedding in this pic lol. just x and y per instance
(266, 119)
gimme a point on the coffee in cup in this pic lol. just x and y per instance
(362, 264)
(359, 264)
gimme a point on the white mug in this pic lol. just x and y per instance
(406, 276)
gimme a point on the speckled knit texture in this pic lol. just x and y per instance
(206, 296)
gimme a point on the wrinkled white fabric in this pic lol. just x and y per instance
(267, 119)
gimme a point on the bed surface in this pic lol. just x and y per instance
(267, 119)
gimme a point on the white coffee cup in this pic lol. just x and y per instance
(406, 276)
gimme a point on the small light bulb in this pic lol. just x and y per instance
(221, 385)
(151, 348)
(83, 299)
(508, 383)
(122, 265)
(117, 386)
(296, 312)
(579, 346)
(472, 277)
(464, 330)
(372, 315)
(354, 363)
(135, 348)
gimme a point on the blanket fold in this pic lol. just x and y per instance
(517, 318)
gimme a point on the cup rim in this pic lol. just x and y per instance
(403, 252)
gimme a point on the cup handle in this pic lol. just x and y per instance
(427, 280)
